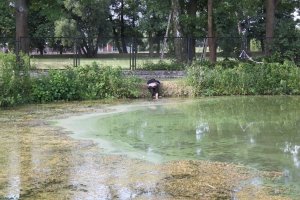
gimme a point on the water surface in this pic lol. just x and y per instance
(259, 132)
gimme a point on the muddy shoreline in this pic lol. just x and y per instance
(41, 161)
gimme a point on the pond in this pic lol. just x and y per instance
(259, 132)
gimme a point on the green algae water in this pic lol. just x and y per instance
(259, 132)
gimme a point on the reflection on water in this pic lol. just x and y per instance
(261, 132)
(294, 151)
(13, 187)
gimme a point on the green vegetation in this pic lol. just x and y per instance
(82, 83)
(90, 27)
(94, 81)
(238, 78)
(14, 80)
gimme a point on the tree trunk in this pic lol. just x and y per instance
(158, 39)
(116, 36)
(41, 49)
(211, 33)
(22, 25)
(124, 48)
(192, 11)
(166, 35)
(117, 40)
(151, 50)
(177, 32)
(270, 22)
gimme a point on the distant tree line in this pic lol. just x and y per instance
(270, 22)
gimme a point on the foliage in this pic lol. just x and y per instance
(14, 80)
(155, 15)
(287, 44)
(90, 19)
(245, 79)
(58, 85)
(41, 29)
(64, 28)
(96, 22)
(7, 23)
(85, 83)
(105, 82)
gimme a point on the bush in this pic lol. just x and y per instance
(245, 79)
(14, 80)
(82, 83)
(98, 82)
(58, 85)
(85, 83)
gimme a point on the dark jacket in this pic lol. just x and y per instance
(153, 81)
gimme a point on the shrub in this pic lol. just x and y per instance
(245, 79)
(85, 83)
(14, 80)
(98, 82)
(58, 85)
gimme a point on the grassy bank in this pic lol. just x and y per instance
(95, 81)
(241, 78)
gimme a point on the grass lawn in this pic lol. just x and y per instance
(61, 63)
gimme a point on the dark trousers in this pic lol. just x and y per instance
(153, 90)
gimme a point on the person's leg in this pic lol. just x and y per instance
(156, 92)
(151, 90)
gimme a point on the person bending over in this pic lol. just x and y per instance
(153, 87)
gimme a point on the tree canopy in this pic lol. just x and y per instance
(94, 22)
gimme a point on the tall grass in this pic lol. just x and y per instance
(245, 79)
(15, 83)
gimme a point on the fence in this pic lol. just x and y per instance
(128, 53)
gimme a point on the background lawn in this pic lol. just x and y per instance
(61, 62)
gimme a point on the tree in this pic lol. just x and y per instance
(91, 19)
(7, 26)
(154, 22)
(177, 31)
(42, 17)
(7, 21)
(236, 23)
(270, 23)
(211, 33)
(286, 42)
(124, 16)
(193, 23)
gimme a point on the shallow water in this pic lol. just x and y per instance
(259, 132)
(40, 162)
